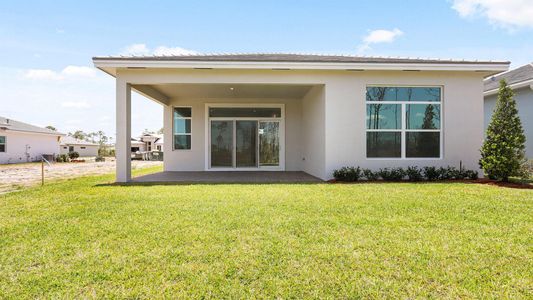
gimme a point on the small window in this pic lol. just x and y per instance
(2, 144)
(182, 128)
(82, 147)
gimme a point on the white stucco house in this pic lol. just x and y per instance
(22, 142)
(521, 81)
(310, 113)
(84, 148)
(147, 142)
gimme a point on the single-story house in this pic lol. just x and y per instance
(311, 113)
(521, 81)
(84, 148)
(22, 142)
(147, 142)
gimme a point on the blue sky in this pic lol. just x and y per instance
(46, 46)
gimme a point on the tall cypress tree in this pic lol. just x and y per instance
(503, 151)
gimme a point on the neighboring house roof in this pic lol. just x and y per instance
(13, 125)
(69, 140)
(109, 64)
(516, 78)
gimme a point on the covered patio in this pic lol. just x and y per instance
(185, 177)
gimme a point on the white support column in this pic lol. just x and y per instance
(123, 141)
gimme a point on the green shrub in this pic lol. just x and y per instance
(73, 155)
(62, 158)
(99, 159)
(370, 175)
(470, 174)
(391, 174)
(414, 174)
(431, 173)
(446, 173)
(348, 174)
(503, 151)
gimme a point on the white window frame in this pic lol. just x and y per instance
(4, 143)
(403, 130)
(173, 124)
(281, 121)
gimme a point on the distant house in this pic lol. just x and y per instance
(22, 142)
(147, 143)
(521, 81)
(84, 148)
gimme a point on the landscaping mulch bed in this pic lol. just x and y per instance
(514, 185)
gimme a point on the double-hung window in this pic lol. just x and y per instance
(2, 144)
(403, 122)
(182, 128)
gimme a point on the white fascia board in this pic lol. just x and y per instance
(512, 86)
(114, 64)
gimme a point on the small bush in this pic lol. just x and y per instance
(73, 155)
(431, 173)
(391, 174)
(370, 175)
(414, 174)
(446, 173)
(348, 174)
(99, 159)
(471, 174)
(62, 158)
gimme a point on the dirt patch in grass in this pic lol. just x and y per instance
(17, 176)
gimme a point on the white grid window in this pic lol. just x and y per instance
(403, 122)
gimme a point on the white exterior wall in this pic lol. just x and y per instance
(332, 115)
(462, 113)
(89, 151)
(313, 132)
(524, 101)
(38, 144)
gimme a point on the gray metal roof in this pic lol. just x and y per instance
(518, 75)
(10, 124)
(278, 57)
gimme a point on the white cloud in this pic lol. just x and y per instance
(162, 50)
(136, 49)
(509, 14)
(73, 104)
(67, 72)
(142, 49)
(42, 74)
(382, 36)
(379, 36)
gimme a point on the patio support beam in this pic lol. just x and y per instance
(123, 141)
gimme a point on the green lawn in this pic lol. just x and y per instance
(82, 239)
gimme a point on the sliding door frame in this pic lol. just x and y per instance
(281, 121)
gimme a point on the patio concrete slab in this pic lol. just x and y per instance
(228, 177)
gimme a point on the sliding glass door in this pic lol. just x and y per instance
(222, 144)
(269, 143)
(245, 138)
(246, 144)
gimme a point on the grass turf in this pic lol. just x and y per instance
(81, 239)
